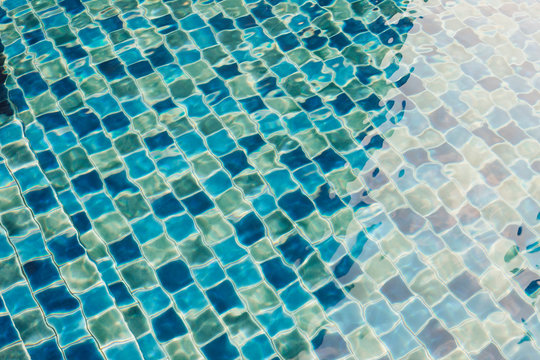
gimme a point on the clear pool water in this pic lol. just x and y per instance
(265, 179)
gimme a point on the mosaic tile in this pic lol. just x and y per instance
(263, 179)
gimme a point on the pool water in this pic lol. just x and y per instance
(265, 179)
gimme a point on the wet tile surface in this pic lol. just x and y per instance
(269, 180)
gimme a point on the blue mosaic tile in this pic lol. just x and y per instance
(269, 180)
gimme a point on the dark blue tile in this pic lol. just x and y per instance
(251, 143)
(367, 73)
(81, 222)
(120, 293)
(371, 103)
(223, 297)
(296, 205)
(8, 335)
(73, 7)
(220, 349)
(115, 121)
(40, 273)
(228, 71)
(112, 69)
(16, 97)
(47, 160)
(168, 326)
(56, 300)
(84, 122)
(63, 87)
(51, 121)
(87, 183)
(117, 183)
(277, 273)
(246, 22)
(342, 104)
(125, 250)
(166, 206)
(72, 54)
(327, 201)
(295, 249)
(249, 229)
(287, 42)
(253, 104)
(198, 203)
(111, 24)
(174, 276)
(329, 295)
(165, 24)
(32, 84)
(47, 350)
(235, 162)
(329, 160)
(65, 248)
(159, 56)
(311, 104)
(294, 159)
(41, 200)
(339, 41)
(34, 36)
(262, 11)
(353, 27)
(140, 69)
(346, 270)
(164, 106)
(315, 41)
(159, 141)
(86, 350)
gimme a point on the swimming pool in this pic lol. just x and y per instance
(269, 179)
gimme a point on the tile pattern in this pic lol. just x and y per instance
(267, 179)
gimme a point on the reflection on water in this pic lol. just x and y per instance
(266, 179)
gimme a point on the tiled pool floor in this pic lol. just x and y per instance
(266, 179)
